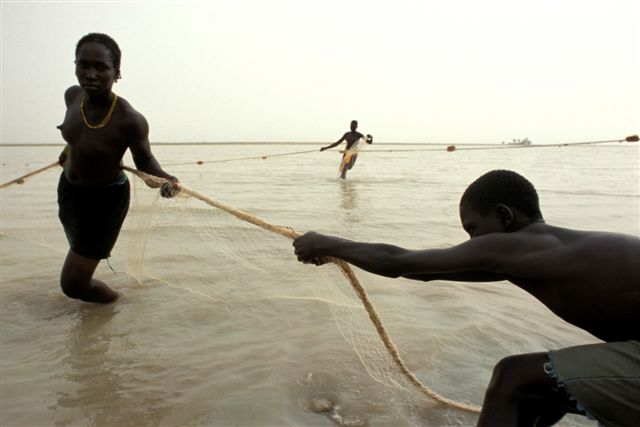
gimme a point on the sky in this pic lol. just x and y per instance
(423, 71)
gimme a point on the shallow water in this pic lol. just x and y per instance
(221, 326)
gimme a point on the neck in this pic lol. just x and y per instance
(103, 98)
(105, 121)
(523, 221)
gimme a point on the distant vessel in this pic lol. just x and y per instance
(518, 142)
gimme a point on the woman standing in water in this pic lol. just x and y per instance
(93, 191)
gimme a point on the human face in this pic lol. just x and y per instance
(476, 224)
(94, 68)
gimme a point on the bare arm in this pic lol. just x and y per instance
(467, 276)
(138, 135)
(71, 93)
(335, 144)
(473, 260)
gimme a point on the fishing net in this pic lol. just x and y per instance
(320, 342)
(351, 154)
(192, 244)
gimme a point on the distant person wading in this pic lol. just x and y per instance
(353, 138)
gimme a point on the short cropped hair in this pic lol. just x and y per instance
(107, 42)
(502, 186)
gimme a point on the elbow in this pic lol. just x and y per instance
(400, 262)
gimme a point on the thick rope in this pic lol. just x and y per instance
(344, 268)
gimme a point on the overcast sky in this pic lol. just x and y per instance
(273, 70)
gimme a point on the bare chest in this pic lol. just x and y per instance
(106, 142)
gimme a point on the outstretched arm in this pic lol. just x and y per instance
(467, 276)
(469, 261)
(335, 144)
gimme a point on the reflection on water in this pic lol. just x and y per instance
(104, 382)
(349, 202)
(89, 366)
(349, 193)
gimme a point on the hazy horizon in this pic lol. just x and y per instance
(285, 71)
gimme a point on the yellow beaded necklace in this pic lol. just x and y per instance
(106, 119)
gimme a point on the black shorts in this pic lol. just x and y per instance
(92, 216)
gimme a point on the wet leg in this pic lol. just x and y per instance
(77, 280)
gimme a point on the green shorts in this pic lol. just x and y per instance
(604, 379)
(92, 216)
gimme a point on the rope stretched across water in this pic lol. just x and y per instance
(263, 157)
(21, 179)
(346, 270)
(448, 148)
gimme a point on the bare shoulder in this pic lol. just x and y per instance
(546, 236)
(131, 119)
(542, 252)
(568, 236)
(559, 251)
(71, 94)
(128, 109)
(538, 236)
(534, 244)
(625, 247)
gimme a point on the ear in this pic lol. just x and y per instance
(505, 215)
